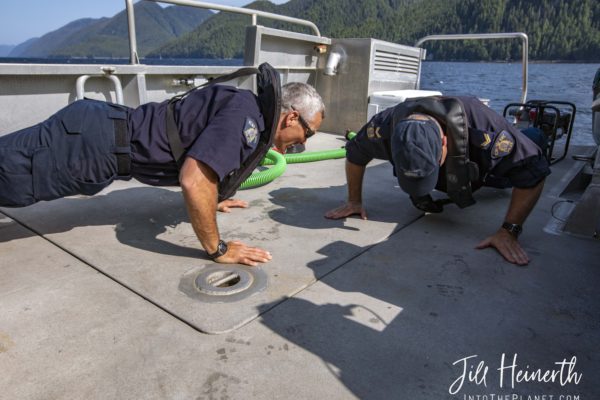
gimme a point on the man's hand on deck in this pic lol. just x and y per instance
(347, 210)
(226, 205)
(507, 245)
(239, 253)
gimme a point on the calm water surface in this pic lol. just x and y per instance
(501, 83)
(498, 82)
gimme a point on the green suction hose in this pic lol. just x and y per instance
(310, 156)
(279, 162)
(263, 177)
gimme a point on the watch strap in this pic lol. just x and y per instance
(513, 229)
(221, 249)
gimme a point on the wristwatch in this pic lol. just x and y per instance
(221, 250)
(513, 229)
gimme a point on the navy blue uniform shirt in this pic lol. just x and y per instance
(218, 125)
(505, 156)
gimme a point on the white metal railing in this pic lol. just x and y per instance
(134, 58)
(479, 36)
(80, 86)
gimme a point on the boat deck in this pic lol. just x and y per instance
(97, 298)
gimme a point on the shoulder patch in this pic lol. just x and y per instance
(251, 131)
(503, 144)
(373, 132)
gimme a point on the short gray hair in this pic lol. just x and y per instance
(304, 98)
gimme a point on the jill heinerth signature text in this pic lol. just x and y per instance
(512, 373)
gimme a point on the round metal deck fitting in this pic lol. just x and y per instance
(223, 284)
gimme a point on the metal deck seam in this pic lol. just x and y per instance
(118, 282)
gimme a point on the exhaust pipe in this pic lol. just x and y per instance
(335, 61)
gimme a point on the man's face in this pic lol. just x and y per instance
(294, 128)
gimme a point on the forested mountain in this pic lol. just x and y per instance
(567, 30)
(221, 36)
(43, 46)
(108, 37)
(557, 29)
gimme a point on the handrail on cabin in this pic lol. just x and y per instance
(80, 86)
(134, 58)
(510, 35)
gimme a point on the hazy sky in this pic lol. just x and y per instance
(24, 19)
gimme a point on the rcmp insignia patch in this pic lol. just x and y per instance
(503, 144)
(251, 131)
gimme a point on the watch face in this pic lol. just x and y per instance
(514, 229)
(222, 249)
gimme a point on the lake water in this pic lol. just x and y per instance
(501, 83)
(498, 82)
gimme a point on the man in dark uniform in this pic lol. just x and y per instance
(85, 146)
(417, 147)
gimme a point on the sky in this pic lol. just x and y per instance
(24, 19)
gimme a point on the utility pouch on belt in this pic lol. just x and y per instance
(269, 99)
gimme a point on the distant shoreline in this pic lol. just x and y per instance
(124, 61)
(519, 60)
(226, 62)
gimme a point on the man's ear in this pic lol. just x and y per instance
(291, 117)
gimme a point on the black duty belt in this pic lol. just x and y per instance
(122, 149)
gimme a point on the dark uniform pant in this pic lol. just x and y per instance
(72, 152)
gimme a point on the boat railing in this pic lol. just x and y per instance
(80, 86)
(134, 58)
(488, 36)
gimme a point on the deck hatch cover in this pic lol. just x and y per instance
(223, 284)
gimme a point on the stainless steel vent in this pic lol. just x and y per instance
(395, 62)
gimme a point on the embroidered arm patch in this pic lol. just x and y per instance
(251, 131)
(503, 145)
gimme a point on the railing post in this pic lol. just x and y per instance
(133, 54)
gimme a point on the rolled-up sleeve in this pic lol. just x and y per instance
(531, 172)
(526, 166)
(364, 147)
(357, 150)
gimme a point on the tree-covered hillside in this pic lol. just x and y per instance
(567, 30)
(43, 46)
(108, 37)
(557, 29)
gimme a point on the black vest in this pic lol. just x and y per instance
(269, 100)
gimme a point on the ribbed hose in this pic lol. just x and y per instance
(279, 162)
(266, 176)
(310, 156)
